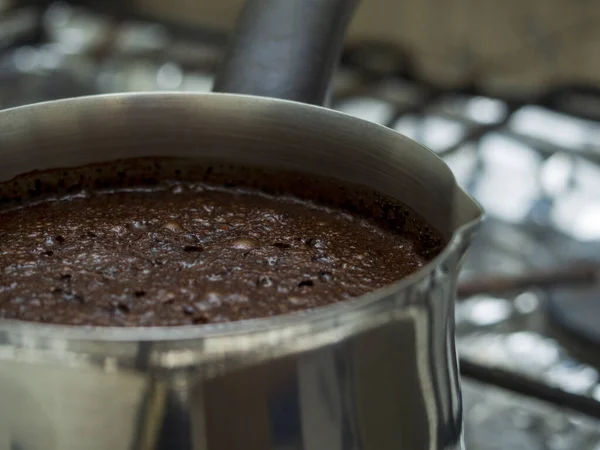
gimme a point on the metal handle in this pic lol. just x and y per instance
(285, 48)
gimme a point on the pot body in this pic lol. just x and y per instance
(375, 373)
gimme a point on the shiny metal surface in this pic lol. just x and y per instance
(375, 373)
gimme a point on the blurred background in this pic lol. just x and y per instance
(508, 93)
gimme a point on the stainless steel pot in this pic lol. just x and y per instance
(375, 373)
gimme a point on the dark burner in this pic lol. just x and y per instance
(577, 314)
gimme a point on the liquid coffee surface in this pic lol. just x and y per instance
(188, 253)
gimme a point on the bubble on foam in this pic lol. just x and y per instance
(173, 226)
(244, 244)
(138, 225)
(213, 298)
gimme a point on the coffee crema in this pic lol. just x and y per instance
(130, 244)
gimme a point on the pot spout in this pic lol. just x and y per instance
(468, 217)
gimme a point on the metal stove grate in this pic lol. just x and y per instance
(532, 163)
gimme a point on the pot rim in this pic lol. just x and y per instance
(249, 326)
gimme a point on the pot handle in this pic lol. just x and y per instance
(285, 48)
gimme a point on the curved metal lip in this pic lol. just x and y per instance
(249, 326)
